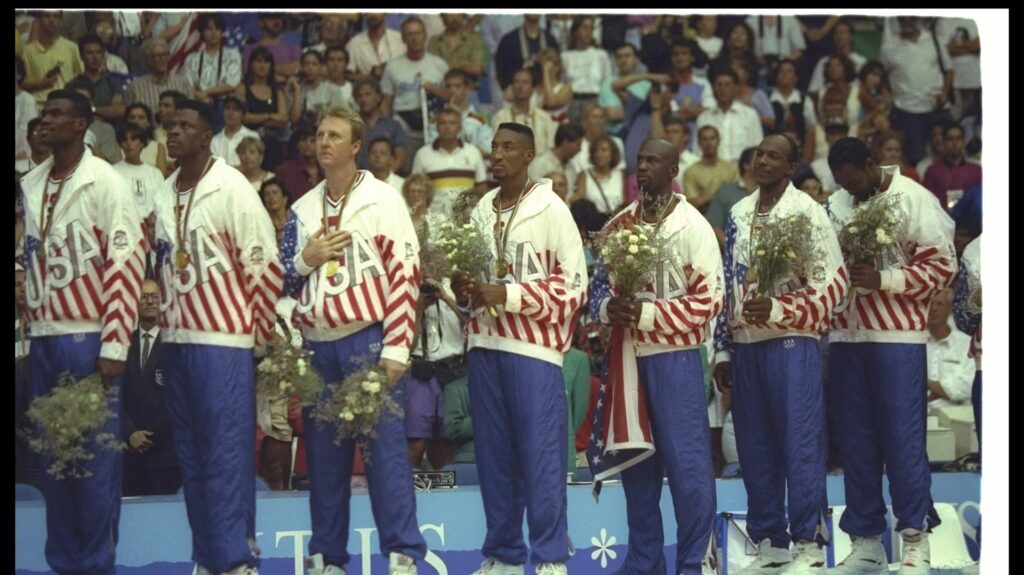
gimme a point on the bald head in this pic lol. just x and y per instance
(657, 164)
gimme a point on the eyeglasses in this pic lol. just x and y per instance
(149, 297)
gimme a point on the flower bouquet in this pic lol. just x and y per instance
(873, 232)
(783, 245)
(286, 371)
(356, 405)
(65, 425)
(631, 254)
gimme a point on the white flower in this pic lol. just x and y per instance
(283, 385)
(467, 226)
(371, 387)
(633, 249)
(373, 376)
(302, 370)
(852, 229)
(760, 252)
(791, 255)
(629, 259)
(643, 237)
(633, 238)
(93, 397)
(347, 415)
(882, 237)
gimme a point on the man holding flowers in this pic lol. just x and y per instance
(351, 259)
(784, 273)
(534, 289)
(877, 352)
(659, 322)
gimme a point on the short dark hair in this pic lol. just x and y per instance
(848, 151)
(382, 139)
(279, 183)
(746, 157)
(794, 148)
(125, 129)
(457, 73)
(628, 45)
(81, 105)
(411, 20)
(616, 153)
(567, 133)
(205, 111)
(700, 58)
(90, 39)
(175, 95)
(371, 82)
(303, 130)
(81, 83)
(327, 52)
(205, 18)
(951, 126)
(673, 119)
(312, 52)
(799, 180)
(522, 130)
(33, 124)
(235, 100)
(724, 69)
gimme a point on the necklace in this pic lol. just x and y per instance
(182, 257)
(501, 235)
(332, 265)
(49, 206)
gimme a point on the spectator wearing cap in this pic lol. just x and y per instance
(108, 97)
(148, 88)
(286, 56)
(226, 141)
(51, 60)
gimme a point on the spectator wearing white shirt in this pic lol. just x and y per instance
(568, 139)
(794, 112)
(143, 180)
(313, 95)
(842, 39)
(950, 366)
(405, 75)
(215, 70)
(452, 165)
(603, 183)
(921, 77)
(381, 158)
(25, 109)
(776, 37)
(226, 141)
(739, 126)
(336, 60)
(586, 66)
(595, 123)
(374, 47)
(960, 36)
(706, 38)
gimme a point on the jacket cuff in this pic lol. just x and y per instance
(115, 351)
(646, 322)
(301, 267)
(892, 281)
(395, 353)
(513, 298)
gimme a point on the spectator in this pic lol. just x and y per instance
(950, 366)
(302, 173)
(553, 94)
(951, 176)
(108, 97)
(335, 32)
(595, 125)
(693, 95)
(738, 125)
(475, 129)
(793, 113)
(832, 111)
(452, 166)
(372, 48)
(418, 194)
(461, 47)
(285, 55)
(378, 125)
(143, 180)
(629, 80)
(168, 103)
(960, 36)
(586, 66)
(265, 109)
(840, 75)
(842, 41)
(568, 139)
(250, 161)
(154, 154)
(708, 40)
(277, 199)
(519, 110)
(147, 89)
(39, 151)
(559, 183)
(215, 70)
(936, 146)
(225, 142)
(51, 61)
(874, 93)
(603, 182)
(313, 95)
(150, 463)
(404, 77)
(25, 109)
(809, 184)
(103, 141)
(518, 50)
(730, 193)
(747, 93)
(677, 132)
(739, 45)
(704, 178)
(967, 313)
(381, 158)
(921, 78)
(337, 64)
(889, 152)
(776, 37)
(106, 33)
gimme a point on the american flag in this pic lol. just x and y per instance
(187, 41)
(621, 434)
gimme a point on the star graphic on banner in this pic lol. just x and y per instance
(600, 444)
(600, 402)
(597, 459)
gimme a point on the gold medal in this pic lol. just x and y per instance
(751, 276)
(181, 259)
(500, 270)
(332, 268)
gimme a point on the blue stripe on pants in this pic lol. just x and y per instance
(677, 406)
(779, 414)
(388, 474)
(81, 514)
(212, 406)
(883, 390)
(519, 430)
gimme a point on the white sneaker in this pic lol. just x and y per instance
(492, 566)
(399, 564)
(808, 560)
(866, 558)
(769, 560)
(315, 566)
(552, 569)
(916, 553)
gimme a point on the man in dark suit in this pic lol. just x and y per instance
(151, 464)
